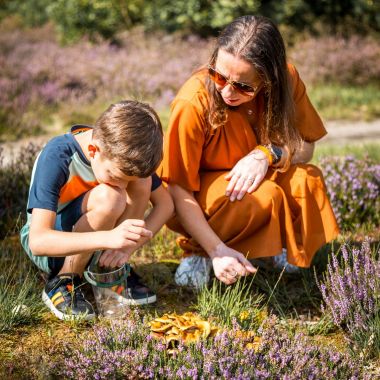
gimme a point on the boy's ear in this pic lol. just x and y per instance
(92, 149)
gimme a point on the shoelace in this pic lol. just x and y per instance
(74, 292)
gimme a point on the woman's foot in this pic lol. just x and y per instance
(193, 271)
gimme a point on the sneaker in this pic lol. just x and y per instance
(280, 262)
(137, 293)
(193, 271)
(64, 297)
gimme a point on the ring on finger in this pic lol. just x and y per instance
(234, 274)
(251, 179)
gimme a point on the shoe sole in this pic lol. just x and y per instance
(60, 315)
(130, 301)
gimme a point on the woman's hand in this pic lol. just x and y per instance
(247, 175)
(229, 264)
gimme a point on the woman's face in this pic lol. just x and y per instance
(236, 70)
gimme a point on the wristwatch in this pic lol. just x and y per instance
(276, 153)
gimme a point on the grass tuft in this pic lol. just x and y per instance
(227, 304)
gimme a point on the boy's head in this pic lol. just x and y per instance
(129, 136)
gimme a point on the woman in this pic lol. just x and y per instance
(240, 134)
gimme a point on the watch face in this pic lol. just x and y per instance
(277, 151)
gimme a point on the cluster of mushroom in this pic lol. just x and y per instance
(186, 328)
(190, 328)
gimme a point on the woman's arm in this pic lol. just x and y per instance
(226, 261)
(301, 156)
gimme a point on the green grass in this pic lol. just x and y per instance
(20, 297)
(357, 149)
(336, 102)
(228, 303)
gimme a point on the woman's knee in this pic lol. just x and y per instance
(266, 195)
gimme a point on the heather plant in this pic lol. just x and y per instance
(351, 293)
(354, 189)
(76, 77)
(14, 185)
(237, 302)
(332, 59)
(103, 72)
(126, 350)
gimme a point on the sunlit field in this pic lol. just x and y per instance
(321, 323)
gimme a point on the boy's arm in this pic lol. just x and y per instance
(162, 210)
(45, 241)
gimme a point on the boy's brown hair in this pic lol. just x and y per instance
(130, 134)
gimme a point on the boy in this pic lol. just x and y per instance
(89, 190)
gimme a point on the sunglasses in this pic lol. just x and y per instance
(221, 80)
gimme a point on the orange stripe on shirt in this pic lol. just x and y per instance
(75, 188)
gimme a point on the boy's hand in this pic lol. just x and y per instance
(127, 234)
(114, 258)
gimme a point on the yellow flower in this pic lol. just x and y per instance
(244, 315)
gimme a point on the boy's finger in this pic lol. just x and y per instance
(105, 260)
(104, 256)
(132, 236)
(137, 222)
(147, 233)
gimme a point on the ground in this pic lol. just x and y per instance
(25, 351)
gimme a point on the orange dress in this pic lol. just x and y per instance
(289, 210)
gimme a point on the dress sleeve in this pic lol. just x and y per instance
(307, 119)
(184, 145)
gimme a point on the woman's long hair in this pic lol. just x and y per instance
(257, 40)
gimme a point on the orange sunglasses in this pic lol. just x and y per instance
(221, 80)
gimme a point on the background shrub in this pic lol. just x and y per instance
(76, 76)
(332, 59)
(14, 186)
(75, 83)
(106, 17)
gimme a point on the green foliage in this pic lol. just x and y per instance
(32, 12)
(75, 18)
(227, 304)
(338, 16)
(106, 17)
(346, 102)
(197, 16)
(364, 150)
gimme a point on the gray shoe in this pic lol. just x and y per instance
(193, 271)
(280, 262)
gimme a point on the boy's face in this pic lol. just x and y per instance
(107, 171)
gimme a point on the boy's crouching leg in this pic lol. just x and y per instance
(101, 208)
